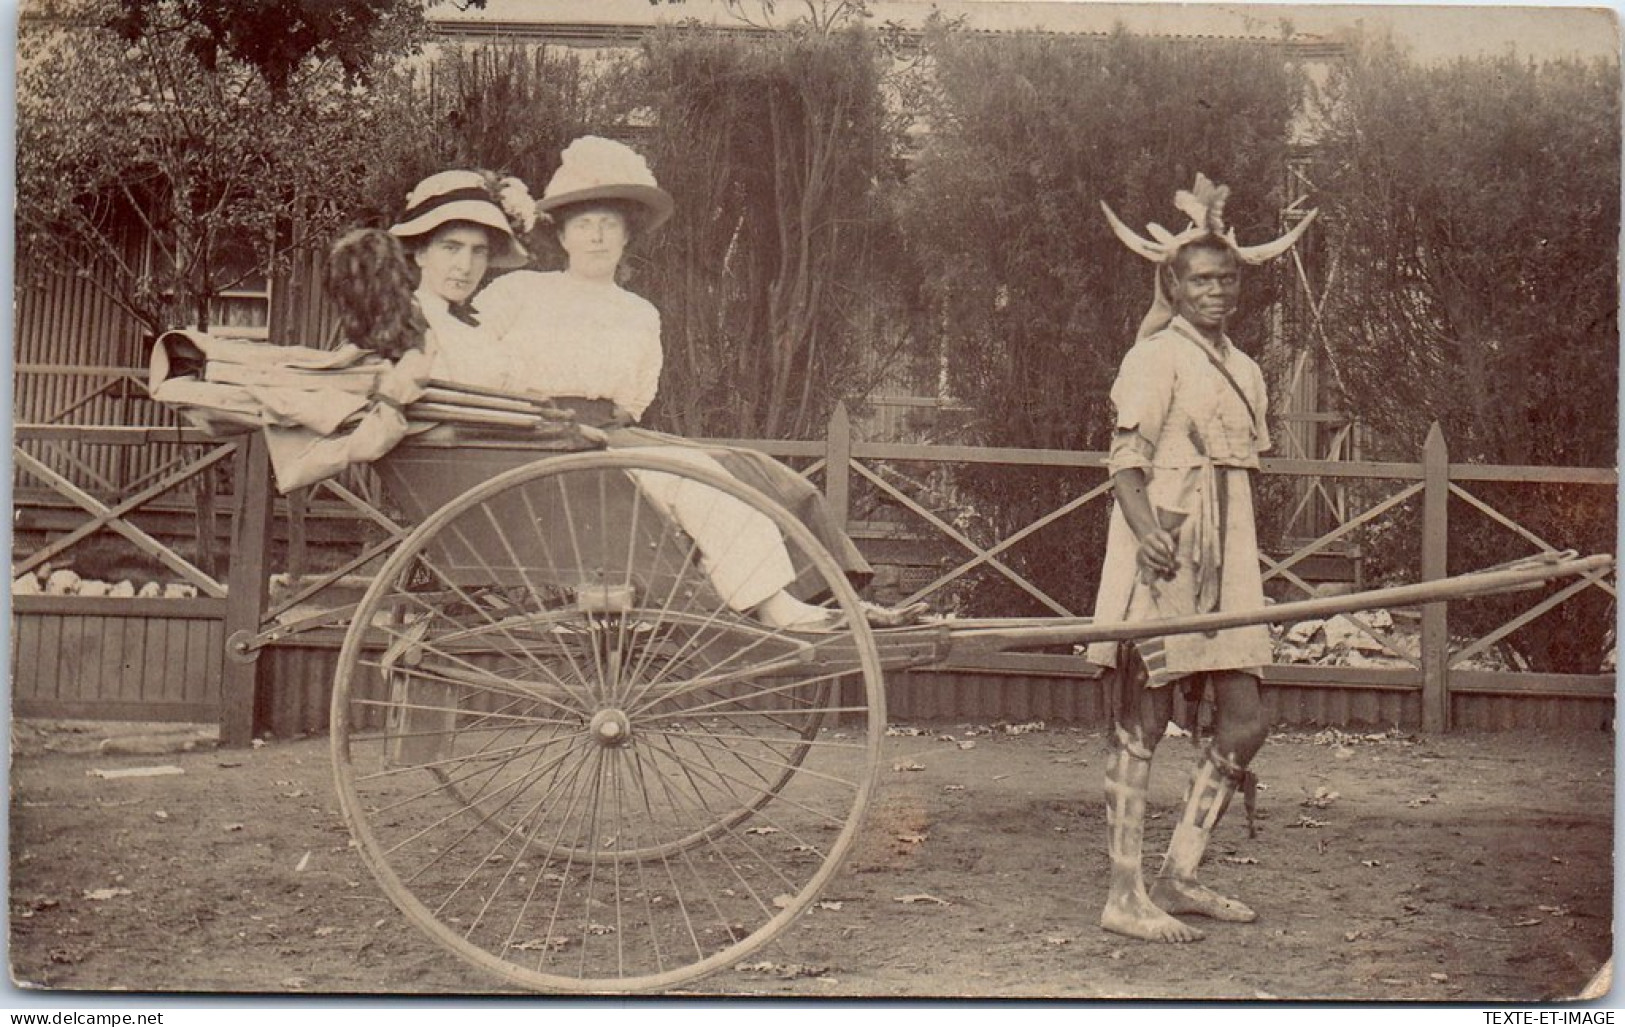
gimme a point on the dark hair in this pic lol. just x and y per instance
(1210, 242)
(632, 213)
(370, 282)
(419, 241)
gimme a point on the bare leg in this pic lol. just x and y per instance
(1238, 735)
(1129, 909)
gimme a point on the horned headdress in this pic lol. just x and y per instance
(1203, 203)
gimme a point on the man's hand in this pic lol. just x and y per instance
(1158, 555)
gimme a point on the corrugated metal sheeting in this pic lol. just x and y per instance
(124, 660)
(296, 688)
(68, 321)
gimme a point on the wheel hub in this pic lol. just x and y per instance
(611, 728)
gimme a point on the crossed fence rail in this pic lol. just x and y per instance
(242, 603)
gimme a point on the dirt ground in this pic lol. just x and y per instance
(1457, 868)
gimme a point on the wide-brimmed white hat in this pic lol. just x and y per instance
(460, 196)
(594, 168)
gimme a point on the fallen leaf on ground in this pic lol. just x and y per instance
(901, 767)
(920, 897)
(761, 830)
(100, 894)
(913, 839)
(304, 861)
(785, 970)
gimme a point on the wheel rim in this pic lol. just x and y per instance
(567, 760)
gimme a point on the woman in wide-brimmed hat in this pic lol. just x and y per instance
(457, 225)
(576, 331)
(578, 337)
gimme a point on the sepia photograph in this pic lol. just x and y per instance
(795, 500)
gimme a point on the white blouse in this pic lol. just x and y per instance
(566, 336)
(461, 352)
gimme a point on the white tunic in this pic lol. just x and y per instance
(567, 336)
(1180, 420)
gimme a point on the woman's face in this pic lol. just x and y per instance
(594, 238)
(454, 260)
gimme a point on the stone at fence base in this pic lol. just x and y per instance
(156, 744)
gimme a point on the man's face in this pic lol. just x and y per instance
(1206, 287)
(594, 238)
(454, 260)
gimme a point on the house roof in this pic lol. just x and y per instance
(610, 22)
(1434, 32)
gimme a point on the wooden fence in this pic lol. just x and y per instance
(1434, 689)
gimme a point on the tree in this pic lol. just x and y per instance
(506, 107)
(196, 152)
(778, 152)
(1033, 300)
(1477, 239)
(277, 38)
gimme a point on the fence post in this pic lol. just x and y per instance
(246, 585)
(1435, 544)
(838, 464)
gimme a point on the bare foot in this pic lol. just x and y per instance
(1199, 900)
(1137, 917)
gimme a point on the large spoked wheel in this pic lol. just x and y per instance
(565, 753)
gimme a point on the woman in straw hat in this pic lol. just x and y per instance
(457, 226)
(578, 338)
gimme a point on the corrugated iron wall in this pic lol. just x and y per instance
(1322, 705)
(296, 688)
(71, 321)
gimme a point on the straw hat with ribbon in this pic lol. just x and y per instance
(504, 206)
(1203, 203)
(594, 168)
